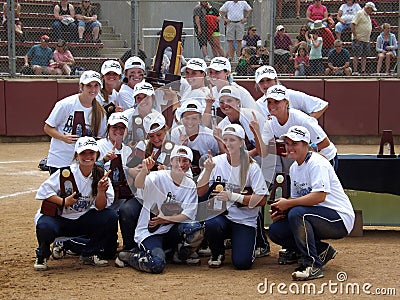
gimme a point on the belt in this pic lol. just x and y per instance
(234, 21)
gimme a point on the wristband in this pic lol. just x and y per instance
(100, 163)
(235, 197)
(63, 202)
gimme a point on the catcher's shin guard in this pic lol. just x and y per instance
(148, 261)
(192, 236)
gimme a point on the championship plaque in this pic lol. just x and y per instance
(67, 182)
(171, 35)
(279, 189)
(170, 207)
(215, 206)
(78, 125)
(118, 179)
(153, 213)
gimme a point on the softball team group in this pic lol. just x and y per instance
(186, 172)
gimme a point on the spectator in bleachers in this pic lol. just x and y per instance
(251, 39)
(280, 3)
(317, 11)
(261, 58)
(386, 46)
(283, 49)
(301, 62)
(41, 57)
(338, 60)
(361, 28)
(86, 15)
(17, 15)
(64, 13)
(315, 42)
(346, 13)
(214, 34)
(300, 40)
(327, 36)
(200, 27)
(243, 67)
(63, 58)
(233, 14)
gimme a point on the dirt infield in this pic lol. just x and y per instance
(371, 259)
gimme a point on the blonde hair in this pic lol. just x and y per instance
(98, 114)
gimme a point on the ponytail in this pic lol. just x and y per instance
(98, 114)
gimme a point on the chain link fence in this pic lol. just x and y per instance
(245, 31)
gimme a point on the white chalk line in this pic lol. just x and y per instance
(17, 194)
(17, 161)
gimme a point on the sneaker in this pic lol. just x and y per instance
(96, 41)
(307, 274)
(119, 263)
(193, 260)
(260, 252)
(205, 251)
(216, 262)
(40, 264)
(72, 253)
(328, 254)
(93, 260)
(58, 251)
(207, 58)
(287, 257)
(355, 74)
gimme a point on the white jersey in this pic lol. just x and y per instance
(272, 129)
(199, 94)
(105, 145)
(61, 118)
(246, 99)
(157, 186)
(235, 10)
(231, 177)
(112, 98)
(348, 12)
(125, 97)
(85, 202)
(298, 100)
(317, 175)
(203, 142)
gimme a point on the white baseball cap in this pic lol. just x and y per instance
(265, 72)
(182, 151)
(234, 129)
(117, 117)
(277, 92)
(134, 62)
(86, 143)
(189, 105)
(219, 64)
(230, 90)
(151, 119)
(297, 133)
(111, 66)
(279, 27)
(143, 88)
(89, 76)
(370, 5)
(195, 64)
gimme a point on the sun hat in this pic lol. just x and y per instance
(370, 5)
(277, 92)
(197, 64)
(111, 66)
(265, 72)
(297, 133)
(86, 143)
(89, 76)
(134, 62)
(182, 151)
(117, 117)
(143, 88)
(151, 119)
(234, 129)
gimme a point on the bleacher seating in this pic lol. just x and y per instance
(387, 13)
(37, 18)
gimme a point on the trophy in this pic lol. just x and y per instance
(118, 179)
(278, 190)
(171, 35)
(170, 207)
(78, 125)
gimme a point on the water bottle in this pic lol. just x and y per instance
(79, 130)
